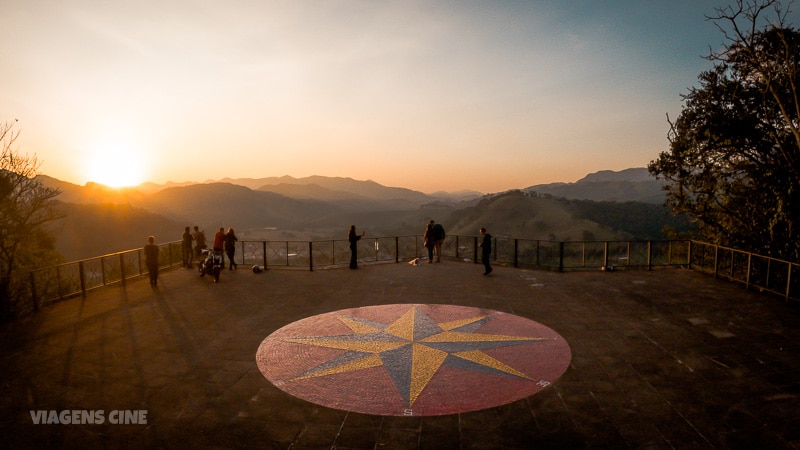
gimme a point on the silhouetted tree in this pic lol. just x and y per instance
(734, 157)
(26, 205)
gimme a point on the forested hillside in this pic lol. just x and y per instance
(640, 220)
(622, 186)
(528, 216)
(520, 215)
(90, 230)
(101, 220)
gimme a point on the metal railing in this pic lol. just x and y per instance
(38, 287)
(539, 254)
(753, 270)
(33, 289)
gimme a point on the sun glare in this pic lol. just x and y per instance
(116, 165)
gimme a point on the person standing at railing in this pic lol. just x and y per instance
(429, 241)
(219, 240)
(186, 248)
(230, 247)
(151, 259)
(199, 241)
(438, 235)
(486, 251)
(353, 237)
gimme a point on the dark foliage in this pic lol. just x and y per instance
(734, 157)
(26, 206)
(641, 220)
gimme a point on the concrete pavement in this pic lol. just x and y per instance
(661, 359)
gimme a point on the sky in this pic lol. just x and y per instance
(427, 95)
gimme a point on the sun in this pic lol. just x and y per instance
(115, 164)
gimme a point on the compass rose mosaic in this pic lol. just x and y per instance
(413, 360)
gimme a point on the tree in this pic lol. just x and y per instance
(734, 157)
(26, 205)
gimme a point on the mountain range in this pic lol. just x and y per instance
(100, 220)
(629, 185)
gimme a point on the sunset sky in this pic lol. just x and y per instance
(426, 95)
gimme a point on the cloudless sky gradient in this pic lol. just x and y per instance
(428, 95)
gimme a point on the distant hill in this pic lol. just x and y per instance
(105, 220)
(335, 188)
(458, 196)
(521, 215)
(636, 174)
(623, 186)
(311, 191)
(90, 230)
(644, 221)
(92, 193)
(527, 216)
(224, 204)
(149, 187)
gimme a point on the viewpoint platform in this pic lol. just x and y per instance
(397, 356)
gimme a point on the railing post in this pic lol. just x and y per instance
(457, 245)
(82, 278)
(669, 252)
(583, 254)
(788, 283)
(264, 253)
(716, 261)
(749, 268)
(605, 254)
(397, 249)
(628, 256)
(122, 266)
(516, 252)
(703, 258)
(769, 269)
(561, 256)
(310, 256)
(649, 255)
(689, 255)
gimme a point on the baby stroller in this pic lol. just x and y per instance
(211, 264)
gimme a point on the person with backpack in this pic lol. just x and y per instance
(438, 236)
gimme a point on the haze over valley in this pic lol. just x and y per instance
(605, 205)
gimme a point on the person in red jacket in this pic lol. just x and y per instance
(219, 240)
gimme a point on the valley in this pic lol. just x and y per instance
(603, 206)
